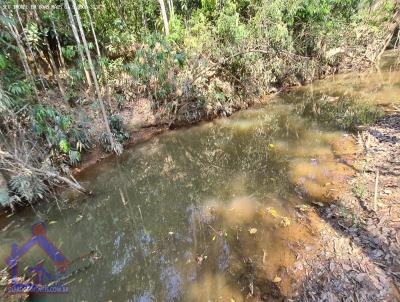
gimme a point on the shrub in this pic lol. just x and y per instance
(155, 67)
(64, 136)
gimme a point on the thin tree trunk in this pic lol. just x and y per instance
(171, 9)
(103, 110)
(52, 62)
(92, 28)
(78, 42)
(22, 54)
(164, 17)
(38, 68)
(104, 71)
(62, 62)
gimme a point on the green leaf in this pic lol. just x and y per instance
(74, 157)
(64, 146)
(3, 61)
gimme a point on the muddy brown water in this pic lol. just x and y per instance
(209, 213)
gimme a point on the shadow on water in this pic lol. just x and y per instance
(214, 212)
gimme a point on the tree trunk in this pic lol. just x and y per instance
(22, 54)
(78, 42)
(171, 9)
(62, 62)
(37, 65)
(164, 17)
(104, 71)
(52, 62)
(92, 28)
(103, 110)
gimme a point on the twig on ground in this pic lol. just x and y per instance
(376, 190)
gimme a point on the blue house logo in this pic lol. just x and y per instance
(44, 281)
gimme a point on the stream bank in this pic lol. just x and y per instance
(359, 258)
(143, 122)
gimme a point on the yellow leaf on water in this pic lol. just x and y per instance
(52, 222)
(273, 212)
(277, 279)
(252, 231)
(271, 146)
(214, 238)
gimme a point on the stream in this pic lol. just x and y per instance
(213, 212)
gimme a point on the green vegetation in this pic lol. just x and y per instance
(68, 68)
(64, 136)
(360, 191)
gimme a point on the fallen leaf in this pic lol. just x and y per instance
(273, 212)
(387, 191)
(233, 300)
(303, 207)
(277, 279)
(214, 238)
(332, 266)
(252, 231)
(52, 222)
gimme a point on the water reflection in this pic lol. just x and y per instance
(206, 213)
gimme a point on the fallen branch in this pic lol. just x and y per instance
(8, 160)
(391, 30)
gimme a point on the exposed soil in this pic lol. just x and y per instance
(359, 256)
(142, 123)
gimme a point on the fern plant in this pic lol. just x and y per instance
(19, 88)
(28, 187)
